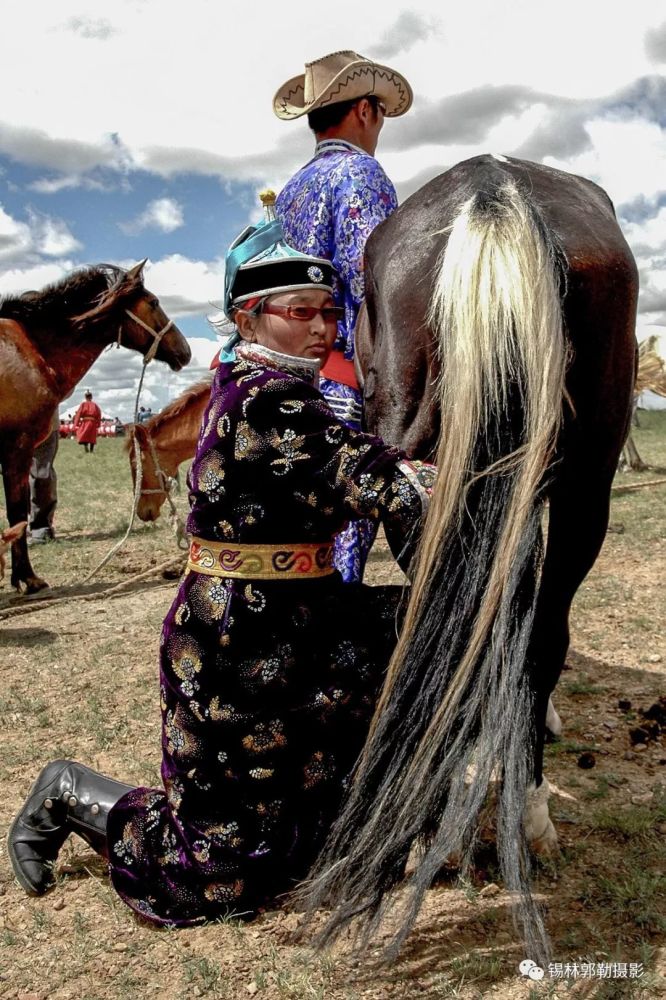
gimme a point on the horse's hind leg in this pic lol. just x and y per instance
(15, 472)
(578, 518)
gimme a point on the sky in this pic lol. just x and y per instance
(144, 129)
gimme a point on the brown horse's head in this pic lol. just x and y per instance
(145, 320)
(128, 312)
(153, 493)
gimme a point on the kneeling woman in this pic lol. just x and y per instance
(270, 664)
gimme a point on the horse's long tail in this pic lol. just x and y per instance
(456, 711)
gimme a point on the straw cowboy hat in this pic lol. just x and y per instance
(342, 76)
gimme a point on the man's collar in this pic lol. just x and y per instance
(337, 146)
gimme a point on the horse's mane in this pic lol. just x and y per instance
(72, 295)
(82, 297)
(173, 409)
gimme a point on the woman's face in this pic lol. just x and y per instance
(301, 338)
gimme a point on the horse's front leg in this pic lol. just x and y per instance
(15, 474)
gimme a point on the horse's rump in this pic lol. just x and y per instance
(599, 289)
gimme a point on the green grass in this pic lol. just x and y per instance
(650, 439)
(600, 790)
(642, 511)
(635, 822)
(205, 974)
(564, 746)
(94, 506)
(477, 969)
(581, 685)
(615, 596)
(632, 896)
(629, 890)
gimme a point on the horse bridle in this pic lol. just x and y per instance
(162, 476)
(165, 480)
(155, 334)
(166, 487)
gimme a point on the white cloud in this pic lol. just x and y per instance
(21, 243)
(184, 286)
(159, 84)
(409, 28)
(647, 240)
(13, 281)
(52, 237)
(15, 237)
(164, 214)
(626, 158)
(52, 185)
(41, 146)
(655, 43)
(648, 236)
(88, 27)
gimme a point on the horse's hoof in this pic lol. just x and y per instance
(35, 583)
(553, 722)
(539, 830)
(547, 844)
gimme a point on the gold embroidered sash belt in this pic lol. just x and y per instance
(261, 562)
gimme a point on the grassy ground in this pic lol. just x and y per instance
(79, 679)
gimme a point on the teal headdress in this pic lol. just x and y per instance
(260, 262)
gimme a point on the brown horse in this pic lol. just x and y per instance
(500, 341)
(48, 341)
(166, 440)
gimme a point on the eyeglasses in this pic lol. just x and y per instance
(382, 107)
(305, 314)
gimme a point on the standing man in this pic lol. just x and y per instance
(87, 419)
(44, 487)
(330, 207)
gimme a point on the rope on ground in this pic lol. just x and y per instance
(176, 521)
(137, 489)
(118, 590)
(627, 487)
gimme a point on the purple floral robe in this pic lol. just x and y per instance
(328, 209)
(267, 686)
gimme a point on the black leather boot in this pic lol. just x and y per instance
(66, 798)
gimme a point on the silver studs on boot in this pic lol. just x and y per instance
(48, 803)
(94, 809)
(72, 801)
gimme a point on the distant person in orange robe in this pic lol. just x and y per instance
(87, 419)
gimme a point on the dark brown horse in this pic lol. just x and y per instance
(48, 341)
(500, 343)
